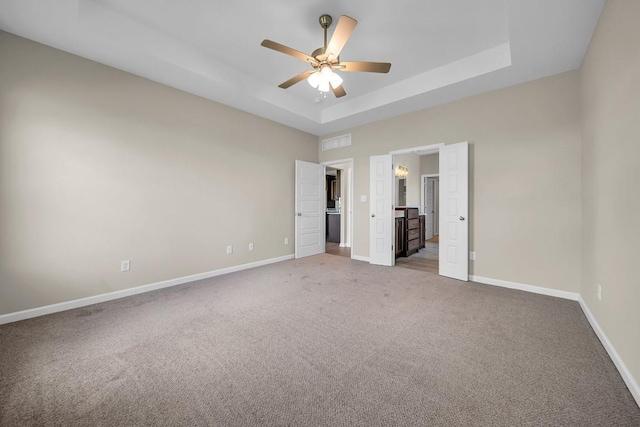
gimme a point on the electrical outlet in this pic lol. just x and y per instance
(229, 250)
(599, 292)
(250, 246)
(472, 256)
(286, 240)
(125, 265)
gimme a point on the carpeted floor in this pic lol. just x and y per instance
(318, 341)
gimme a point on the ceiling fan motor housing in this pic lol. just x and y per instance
(319, 51)
(325, 21)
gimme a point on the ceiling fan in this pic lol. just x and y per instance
(325, 60)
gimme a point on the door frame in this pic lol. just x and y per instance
(420, 150)
(349, 161)
(422, 179)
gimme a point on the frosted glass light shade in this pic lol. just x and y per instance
(314, 80)
(335, 80)
(322, 79)
(325, 73)
(323, 86)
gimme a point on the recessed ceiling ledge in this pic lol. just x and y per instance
(484, 62)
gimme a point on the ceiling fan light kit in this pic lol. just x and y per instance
(325, 60)
(322, 79)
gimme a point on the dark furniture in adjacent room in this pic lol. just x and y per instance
(333, 227)
(411, 230)
(399, 236)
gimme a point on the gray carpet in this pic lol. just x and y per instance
(319, 341)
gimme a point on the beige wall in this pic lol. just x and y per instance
(430, 164)
(611, 197)
(411, 162)
(524, 176)
(99, 166)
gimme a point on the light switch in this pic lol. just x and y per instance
(363, 198)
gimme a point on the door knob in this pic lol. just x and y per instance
(373, 215)
(461, 218)
(299, 213)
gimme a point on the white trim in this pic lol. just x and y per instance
(351, 199)
(432, 149)
(82, 302)
(574, 296)
(337, 162)
(631, 383)
(359, 258)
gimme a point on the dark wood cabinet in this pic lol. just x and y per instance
(410, 232)
(333, 228)
(399, 236)
(422, 231)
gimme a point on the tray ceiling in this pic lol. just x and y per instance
(440, 50)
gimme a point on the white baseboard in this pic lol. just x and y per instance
(360, 258)
(82, 302)
(632, 384)
(574, 296)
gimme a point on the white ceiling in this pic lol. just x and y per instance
(440, 50)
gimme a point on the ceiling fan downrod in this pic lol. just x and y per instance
(325, 23)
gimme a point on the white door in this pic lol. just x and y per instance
(430, 209)
(381, 222)
(310, 211)
(454, 207)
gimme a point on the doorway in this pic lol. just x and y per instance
(453, 196)
(339, 202)
(418, 190)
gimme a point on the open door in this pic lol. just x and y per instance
(310, 210)
(381, 228)
(454, 207)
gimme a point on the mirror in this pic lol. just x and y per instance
(401, 192)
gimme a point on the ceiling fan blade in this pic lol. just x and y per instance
(296, 79)
(288, 51)
(339, 91)
(369, 67)
(340, 36)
